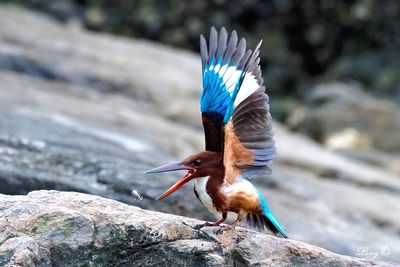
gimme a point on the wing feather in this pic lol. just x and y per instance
(252, 126)
(250, 130)
(223, 65)
(234, 107)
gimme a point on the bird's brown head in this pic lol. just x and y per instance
(197, 165)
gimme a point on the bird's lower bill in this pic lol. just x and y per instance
(177, 185)
(174, 167)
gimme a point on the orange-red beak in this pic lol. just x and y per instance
(174, 167)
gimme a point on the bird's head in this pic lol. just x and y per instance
(197, 165)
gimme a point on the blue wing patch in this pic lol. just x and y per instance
(223, 71)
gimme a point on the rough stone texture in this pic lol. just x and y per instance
(344, 116)
(51, 228)
(91, 112)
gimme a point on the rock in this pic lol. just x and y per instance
(343, 116)
(379, 71)
(375, 157)
(91, 112)
(50, 228)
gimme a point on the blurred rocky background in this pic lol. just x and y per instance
(305, 42)
(84, 107)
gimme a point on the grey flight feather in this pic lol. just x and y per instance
(239, 53)
(252, 124)
(203, 51)
(220, 48)
(223, 37)
(231, 47)
(213, 43)
(253, 65)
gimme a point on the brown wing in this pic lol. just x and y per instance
(249, 145)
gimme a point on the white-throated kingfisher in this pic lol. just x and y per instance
(238, 135)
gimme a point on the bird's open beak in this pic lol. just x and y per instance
(175, 166)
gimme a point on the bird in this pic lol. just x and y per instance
(239, 143)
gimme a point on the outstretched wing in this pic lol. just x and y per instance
(223, 64)
(249, 146)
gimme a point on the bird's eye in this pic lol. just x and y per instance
(196, 162)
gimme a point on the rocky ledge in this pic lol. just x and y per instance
(52, 228)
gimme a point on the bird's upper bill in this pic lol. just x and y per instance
(175, 166)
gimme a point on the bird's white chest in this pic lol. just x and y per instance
(200, 188)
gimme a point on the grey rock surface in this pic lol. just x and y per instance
(51, 228)
(344, 116)
(91, 112)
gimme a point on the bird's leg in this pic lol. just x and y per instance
(217, 223)
(233, 225)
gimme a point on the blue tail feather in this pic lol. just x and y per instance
(276, 226)
(266, 219)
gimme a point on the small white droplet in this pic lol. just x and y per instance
(136, 195)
